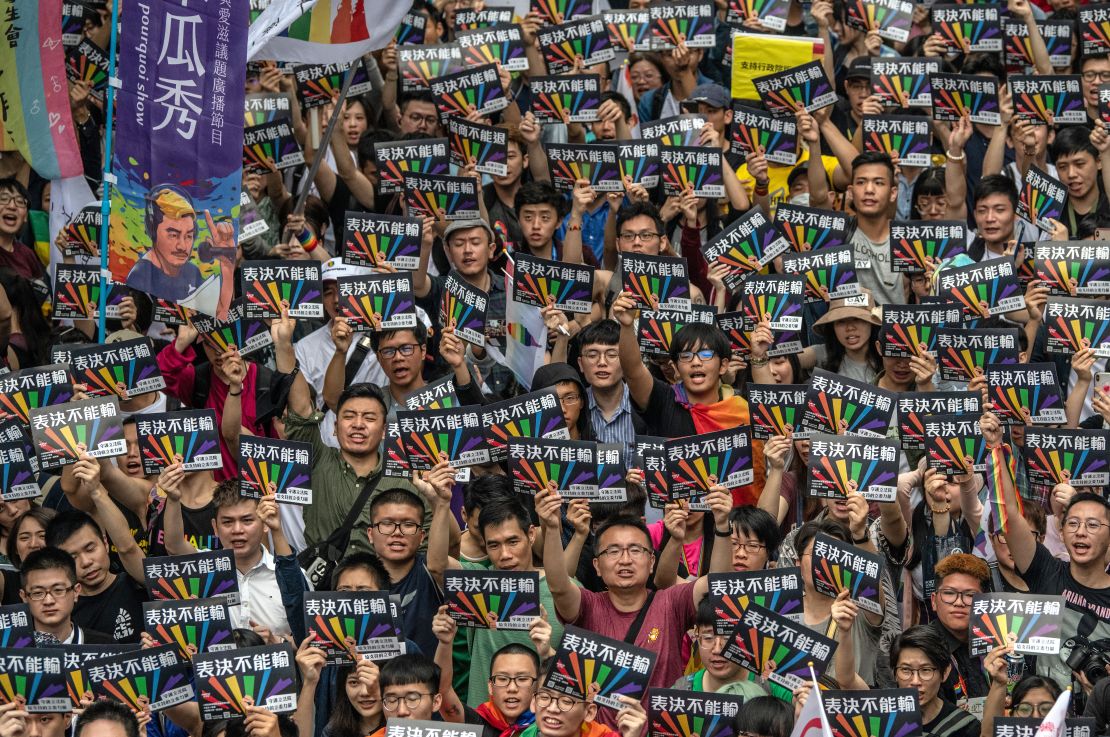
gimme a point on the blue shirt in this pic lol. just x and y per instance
(146, 277)
(616, 430)
(593, 230)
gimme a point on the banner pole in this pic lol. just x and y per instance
(318, 158)
(110, 100)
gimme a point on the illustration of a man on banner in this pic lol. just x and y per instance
(167, 269)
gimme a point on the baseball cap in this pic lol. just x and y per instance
(711, 93)
(458, 225)
(860, 68)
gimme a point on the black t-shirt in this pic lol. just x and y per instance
(952, 722)
(665, 417)
(419, 595)
(197, 524)
(117, 610)
(1086, 610)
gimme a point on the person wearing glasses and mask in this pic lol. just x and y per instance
(1082, 580)
(920, 661)
(50, 589)
(959, 577)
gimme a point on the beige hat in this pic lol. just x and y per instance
(861, 307)
(121, 335)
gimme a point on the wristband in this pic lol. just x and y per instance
(234, 394)
(760, 361)
(722, 533)
(572, 227)
(961, 157)
(308, 240)
(862, 540)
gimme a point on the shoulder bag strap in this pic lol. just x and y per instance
(638, 622)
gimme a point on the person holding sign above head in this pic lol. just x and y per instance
(627, 610)
(857, 633)
(1082, 580)
(514, 672)
(508, 533)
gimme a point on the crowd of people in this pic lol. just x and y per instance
(624, 568)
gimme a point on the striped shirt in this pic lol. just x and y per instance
(618, 429)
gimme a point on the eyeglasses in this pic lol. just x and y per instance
(1071, 524)
(614, 552)
(1096, 76)
(706, 639)
(1000, 538)
(570, 399)
(545, 699)
(645, 77)
(14, 199)
(1028, 710)
(405, 350)
(747, 547)
(704, 354)
(388, 527)
(501, 680)
(647, 237)
(951, 596)
(428, 120)
(595, 355)
(925, 673)
(56, 592)
(412, 700)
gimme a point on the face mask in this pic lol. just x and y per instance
(800, 199)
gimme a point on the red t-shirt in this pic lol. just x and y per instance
(663, 631)
(22, 260)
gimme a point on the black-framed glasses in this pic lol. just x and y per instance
(55, 591)
(748, 547)
(951, 596)
(501, 680)
(388, 527)
(405, 350)
(594, 355)
(647, 237)
(926, 672)
(7, 198)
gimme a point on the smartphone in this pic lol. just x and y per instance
(1102, 382)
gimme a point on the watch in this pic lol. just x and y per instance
(862, 540)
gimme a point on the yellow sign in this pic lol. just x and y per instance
(754, 55)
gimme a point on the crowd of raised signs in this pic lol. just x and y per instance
(654, 370)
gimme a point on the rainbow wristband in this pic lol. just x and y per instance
(308, 240)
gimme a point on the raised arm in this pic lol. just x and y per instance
(776, 452)
(170, 484)
(1082, 362)
(310, 663)
(356, 181)
(1022, 541)
(810, 133)
(1020, 10)
(578, 514)
(581, 198)
(955, 168)
(567, 595)
(112, 521)
(435, 486)
(635, 373)
(445, 629)
(421, 282)
(666, 566)
(719, 500)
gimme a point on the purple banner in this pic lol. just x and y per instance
(178, 150)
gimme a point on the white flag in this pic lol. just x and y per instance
(812, 722)
(525, 336)
(323, 31)
(1053, 724)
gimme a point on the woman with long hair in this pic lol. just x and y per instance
(27, 344)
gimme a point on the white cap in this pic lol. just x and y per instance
(335, 268)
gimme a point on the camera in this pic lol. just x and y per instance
(209, 252)
(1088, 658)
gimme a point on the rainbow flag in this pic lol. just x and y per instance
(323, 31)
(35, 118)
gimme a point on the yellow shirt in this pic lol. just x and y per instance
(779, 191)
